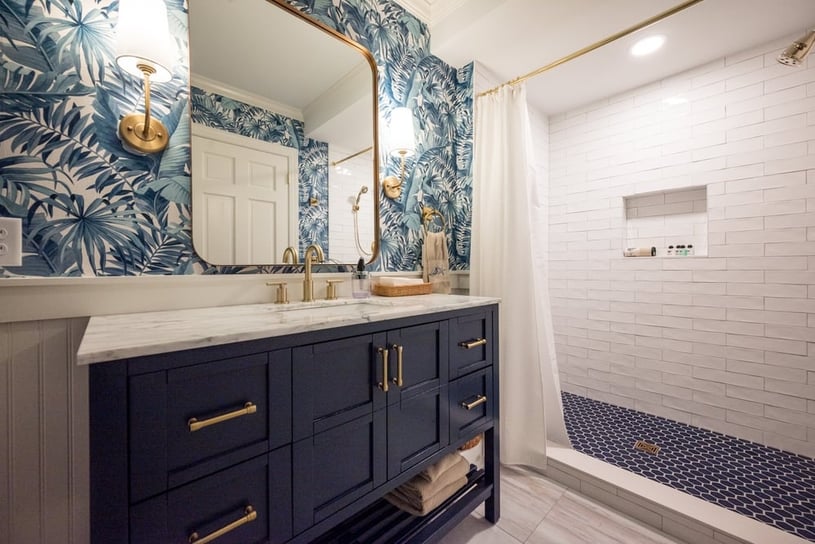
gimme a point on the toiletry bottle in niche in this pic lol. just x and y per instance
(690, 249)
(360, 281)
(680, 250)
(670, 251)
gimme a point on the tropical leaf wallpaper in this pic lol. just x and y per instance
(89, 207)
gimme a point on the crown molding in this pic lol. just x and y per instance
(252, 99)
(420, 8)
(441, 9)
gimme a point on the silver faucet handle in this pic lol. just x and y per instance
(282, 296)
(331, 289)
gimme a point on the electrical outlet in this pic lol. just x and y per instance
(11, 241)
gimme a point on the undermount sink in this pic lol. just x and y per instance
(337, 308)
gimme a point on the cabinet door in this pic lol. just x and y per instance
(418, 359)
(418, 427)
(336, 382)
(250, 503)
(336, 467)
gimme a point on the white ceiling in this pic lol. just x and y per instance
(318, 78)
(513, 37)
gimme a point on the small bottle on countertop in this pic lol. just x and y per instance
(360, 281)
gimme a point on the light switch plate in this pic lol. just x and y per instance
(11, 241)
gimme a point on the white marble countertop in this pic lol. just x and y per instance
(112, 337)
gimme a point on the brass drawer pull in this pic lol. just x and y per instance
(196, 425)
(473, 343)
(383, 385)
(479, 400)
(249, 515)
(398, 379)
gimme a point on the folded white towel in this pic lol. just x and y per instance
(435, 265)
(391, 281)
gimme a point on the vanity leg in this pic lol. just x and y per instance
(492, 466)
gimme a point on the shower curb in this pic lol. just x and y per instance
(672, 512)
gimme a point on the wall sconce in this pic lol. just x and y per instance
(145, 49)
(402, 143)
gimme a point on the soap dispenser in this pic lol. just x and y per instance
(360, 281)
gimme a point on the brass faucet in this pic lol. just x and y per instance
(289, 253)
(313, 254)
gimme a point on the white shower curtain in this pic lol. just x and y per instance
(506, 261)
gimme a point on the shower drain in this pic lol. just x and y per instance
(647, 447)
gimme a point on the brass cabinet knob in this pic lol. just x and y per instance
(331, 289)
(282, 296)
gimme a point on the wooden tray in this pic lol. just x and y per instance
(402, 290)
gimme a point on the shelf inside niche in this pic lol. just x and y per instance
(667, 218)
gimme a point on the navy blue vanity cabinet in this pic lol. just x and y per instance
(294, 439)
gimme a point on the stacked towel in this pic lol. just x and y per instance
(431, 487)
(435, 261)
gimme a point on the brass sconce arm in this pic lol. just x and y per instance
(391, 185)
(140, 133)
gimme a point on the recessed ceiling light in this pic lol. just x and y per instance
(648, 45)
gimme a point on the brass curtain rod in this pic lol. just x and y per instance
(588, 49)
(349, 157)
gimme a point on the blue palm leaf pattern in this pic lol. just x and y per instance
(90, 206)
(87, 232)
(85, 37)
(23, 179)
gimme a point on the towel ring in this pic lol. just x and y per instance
(428, 214)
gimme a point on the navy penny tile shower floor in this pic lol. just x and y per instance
(767, 484)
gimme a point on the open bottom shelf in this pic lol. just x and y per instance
(383, 523)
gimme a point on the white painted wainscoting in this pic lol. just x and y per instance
(44, 486)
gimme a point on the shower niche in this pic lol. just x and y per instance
(661, 219)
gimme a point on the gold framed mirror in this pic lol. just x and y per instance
(284, 136)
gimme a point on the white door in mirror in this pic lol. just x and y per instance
(244, 197)
(11, 241)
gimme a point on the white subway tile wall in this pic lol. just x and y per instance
(345, 182)
(724, 341)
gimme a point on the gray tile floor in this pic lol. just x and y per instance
(536, 510)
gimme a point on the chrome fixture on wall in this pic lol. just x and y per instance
(798, 50)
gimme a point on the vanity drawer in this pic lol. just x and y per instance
(252, 500)
(471, 343)
(471, 403)
(192, 421)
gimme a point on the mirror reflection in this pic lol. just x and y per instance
(283, 136)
